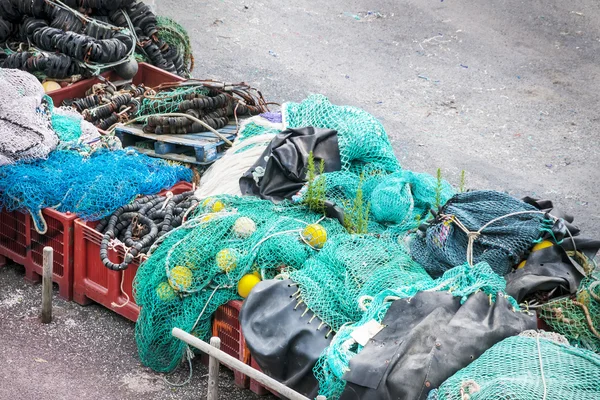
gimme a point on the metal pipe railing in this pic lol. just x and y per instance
(216, 355)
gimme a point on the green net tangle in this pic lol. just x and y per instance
(530, 366)
(578, 317)
(167, 101)
(400, 200)
(349, 267)
(461, 281)
(176, 36)
(361, 137)
(197, 267)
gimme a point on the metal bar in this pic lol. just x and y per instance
(236, 364)
(213, 372)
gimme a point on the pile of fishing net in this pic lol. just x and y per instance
(91, 186)
(479, 226)
(529, 366)
(70, 39)
(30, 126)
(335, 286)
(577, 317)
(203, 264)
(25, 125)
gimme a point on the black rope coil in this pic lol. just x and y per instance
(57, 66)
(140, 224)
(6, 30)
(14, 10)
(82, 47)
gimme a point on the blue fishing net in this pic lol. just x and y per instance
(93, 187)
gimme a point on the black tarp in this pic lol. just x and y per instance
(280, 337)
(426, 340)
(281, 170)
(553, 269)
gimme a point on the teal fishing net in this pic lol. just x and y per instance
(197, 267)
(530, 366)
(507, 228)
(361, 137)
(93, 187)
(333, 282)
(461, 281)
(401, 199)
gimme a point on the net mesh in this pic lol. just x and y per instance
(167, 101)
(176, 36)
(197, 267)
(25, 128)
(93, 187)
(526, 367)
(577, 317)
(361, 137)
(70, 126)
(401, 199)
(350, 267)
(461, 281)
(501, 244)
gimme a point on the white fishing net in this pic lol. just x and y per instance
(25, 128)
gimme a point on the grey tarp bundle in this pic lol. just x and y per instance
(280, 337)
(426, 340)
(281, 170)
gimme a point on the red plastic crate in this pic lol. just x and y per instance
(255, 386)
(14, 227)
(20, 242)
(147, 74)
(59, 236)
(226, 326)
(94, 282)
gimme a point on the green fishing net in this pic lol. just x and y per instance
(530, 366)
(176, 36)
(461, 281)
(333, 282)
(167, 101)
(197, 267)
(361, 137)
(401, 199)
(577, 317)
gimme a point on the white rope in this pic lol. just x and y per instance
(223, 177)
(473, 235)
(204, 124)
(115, 305)
(541, 365)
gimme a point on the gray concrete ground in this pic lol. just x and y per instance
(506, 90)
(85, 353)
